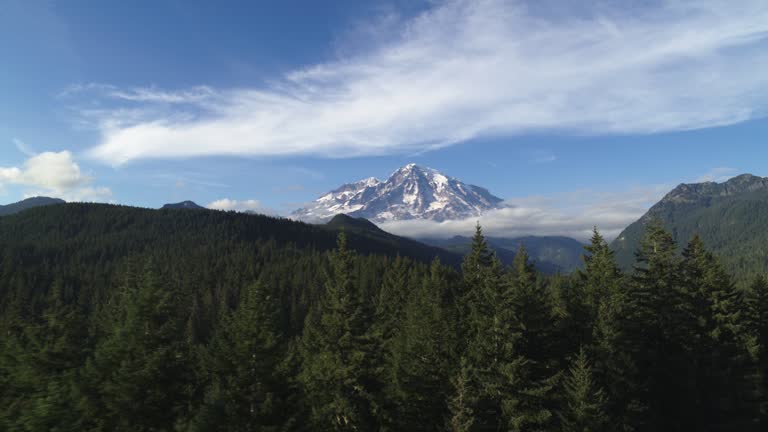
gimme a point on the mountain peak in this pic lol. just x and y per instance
(28, 203)
(369, 182)
(341, 220)
(411, 192)
(190, 205)
(729, 216)
(413, 167)
(696, 192)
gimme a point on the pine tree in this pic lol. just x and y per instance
(758, 317)
(389, 314)
(422, 352)
(597, 282)
(245, 392)
(488, 330)
(135, 378)
(585, 402)
(480, 258)
(461, 416)
(653, 332)
(42, 364)
(718, 360)
(531, 375)
(339, 359)
(613, 365)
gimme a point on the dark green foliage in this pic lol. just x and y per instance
(340, 353)
(599, 306)
(585, 402)
(421, 355)
(135, 378)
(115, 318)
(364, 228)
(246, 389)
(461, 416)
(758, 339)
(718, 360)
(654, 334)
(550, 254)
(533, 374)
(730, 217)
(53, 347)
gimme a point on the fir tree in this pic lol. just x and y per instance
(135, 379)
(758, 317)
(598, 310)
(489, 333)
(42, 365)
(653, 331)
(245, 392)
(422, 352)
(339, 366)
(530, 375)
(461, 416)
(718, 362)
(597, 282)
(585, 402)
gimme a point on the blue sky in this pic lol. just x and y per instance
(584, 114)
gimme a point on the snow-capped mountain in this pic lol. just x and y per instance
(411, 192)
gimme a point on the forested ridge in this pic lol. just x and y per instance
(124, 319)
(730, 217)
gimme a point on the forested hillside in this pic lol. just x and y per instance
(731, 217)
(124, 319)
(28, 203)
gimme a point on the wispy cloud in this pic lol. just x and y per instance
(54, 174)
(23, 147)
(543, 156)
(719, 174)
(466, 69)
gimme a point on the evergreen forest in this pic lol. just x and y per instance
(125, 319)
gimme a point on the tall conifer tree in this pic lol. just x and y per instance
(585, 401)
(340, 372)
(422, 355)
(246, 389)
(136, 377)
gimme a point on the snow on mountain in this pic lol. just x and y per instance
(411, 192)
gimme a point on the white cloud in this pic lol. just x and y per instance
(54, 174)
(227, 204)
(470, 68)
(719, 174)
(572, 214)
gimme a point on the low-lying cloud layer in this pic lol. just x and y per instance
(53, 174)
(569, 214)
(253, 206)
(466, 69)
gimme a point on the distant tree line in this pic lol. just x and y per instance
(110, 323)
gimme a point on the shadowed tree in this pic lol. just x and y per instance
(339, 354)
(585, 401)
